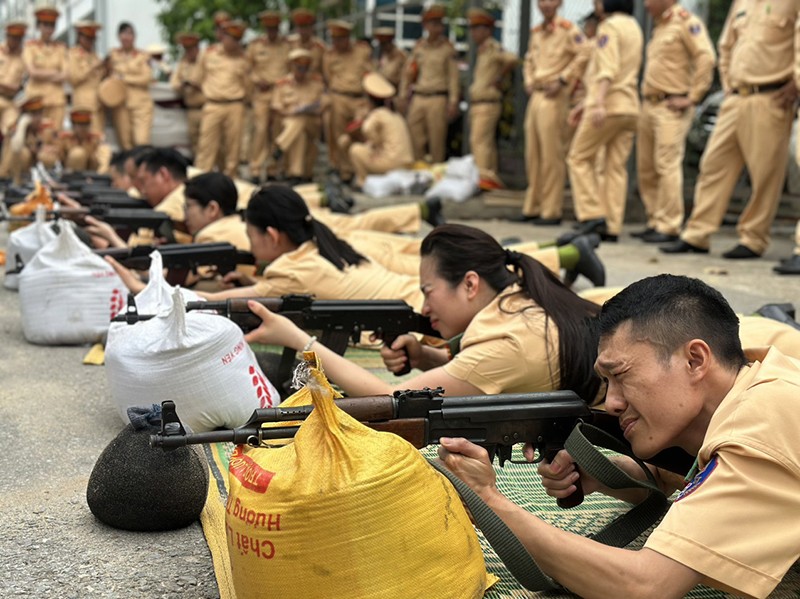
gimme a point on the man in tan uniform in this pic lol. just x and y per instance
(343, 68)
(82, 149)
(387, 140)
(134, 118)
(85, 71)
(268, 56)
(432, 73)
(303, 37)
(224, 76)
(185, 80)
(391, 59)
(556, 59)
(31, 139)
(46, 63)
(299, 99)
(12, 70)
(492, 64)
(679, 71)
(757, 54)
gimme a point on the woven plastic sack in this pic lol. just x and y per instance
(198, 360)
(23, 245)
(346, 511)
(68, 294)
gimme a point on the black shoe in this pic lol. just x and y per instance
(435, 216)
(589, 264)
(567, 238)
(609, 237)
(643, 232)
(790, 266)
(336, 199)
(545, 222)
(740, 252)
(681, 247)
(595, 225)
(656, 237)
(277, 154)
(522, 218)
(781, 312)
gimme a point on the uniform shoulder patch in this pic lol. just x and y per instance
(602, 41)
(695, 28)
(699, 479)
(684, 14)
(565, 24)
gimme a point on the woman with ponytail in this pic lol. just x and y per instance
(513, 326)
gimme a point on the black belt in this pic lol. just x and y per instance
(749, 90)
(233, 101)
(349, 94)
(660, 97)
(430, 93)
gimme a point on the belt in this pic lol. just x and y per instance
(348, 94)
(430, 93)
(749, 90)
(232, 101)
(660, 97)
(484, 101)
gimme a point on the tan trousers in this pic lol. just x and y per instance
(343, 110)
(194, 117)
(483, 119)
(797, 239)
(220, 129)
(263, 133)
(427, 122)
(133, 122)
(78, 159)
(592, 202)
(660, 147)
(367, 161)
(14, 164)
(56, 115)
(751, 131)
(544, 155)
(298, 137)
(404, 218)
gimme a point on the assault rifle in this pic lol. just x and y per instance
(128, 218)
(496, 422)
(182, 258)
(340, 321)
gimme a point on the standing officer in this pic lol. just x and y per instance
(432, 73)
(556, 59)
(269, 62)
(46, 62)
(485, 96)
(343, 68)
(86, 70)
(299, 99)
(82, 149)
(757, 52)
(303, 37)
(185, 80)
(12, 70)
(224, 77)
(134, 118)
(391, 59)
(679, 71)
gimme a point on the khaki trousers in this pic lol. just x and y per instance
(660, 147)
(343, 110)
(9, 114)
(220, 129)
(404, 218)
(797, 239)
(265, 126)
(194, 116)
(427, 122)
(367, 161)
(591, 201)
(298, 136)
(544, 155)
(133, 121)
(483, 119)
(751, 131)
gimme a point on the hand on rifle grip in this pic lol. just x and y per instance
(556, 477)
(399, 359)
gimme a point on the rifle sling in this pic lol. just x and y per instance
(619, 533)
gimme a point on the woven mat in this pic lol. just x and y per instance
(519, 482)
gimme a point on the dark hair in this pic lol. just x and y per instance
(458, 249)
(168, 158)
(610, 6)
(282, 208)
(125, 26)
(118, 160)
(213, 187)
(669, 310)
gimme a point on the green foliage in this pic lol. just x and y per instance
(717, 12)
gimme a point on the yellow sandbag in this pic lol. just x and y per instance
(346, 511)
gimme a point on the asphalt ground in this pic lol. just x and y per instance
(56, 417)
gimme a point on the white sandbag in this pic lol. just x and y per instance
(457, 190)
(68, 294)
(396, 182)
(24, 243)
(196, 359)
(463, 168)
(380, 186)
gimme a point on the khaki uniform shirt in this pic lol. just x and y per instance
(390, 65)
(269, 61)
(505, 350)
(230, 229)
(490, 63)
(291, 94)
(224, 77)
(134, 69)
(387, 133)
(343, 71)
(173, 204)
(85, 72)
(306, 271)
(618, 58)
(315, 45)
(680, 56)
(432, 68)
(53, 57)
(12, 70)
(759, 43)
(557, 50)
(188, 72)
(734, 521)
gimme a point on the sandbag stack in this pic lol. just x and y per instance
(24, 243)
